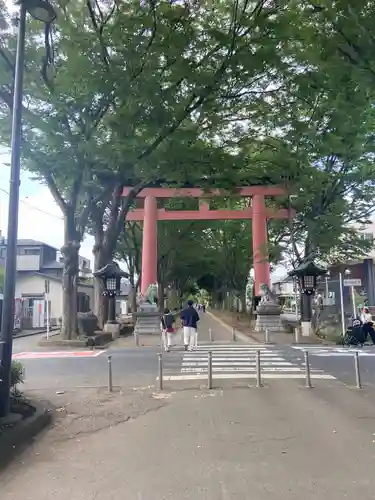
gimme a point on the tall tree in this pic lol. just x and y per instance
(114, 85)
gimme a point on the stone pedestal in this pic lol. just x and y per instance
(306, 329)
(147, 307)
(147, 319)
(268, 317)
(113, 329)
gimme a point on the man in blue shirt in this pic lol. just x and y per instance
(189, 319)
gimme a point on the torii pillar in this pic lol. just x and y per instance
(149, 244)
(258, 212)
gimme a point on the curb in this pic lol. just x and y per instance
(239, 335)
(15, 440)
(30, 334)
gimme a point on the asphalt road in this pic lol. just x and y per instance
(129, 367)
(138, 366)
(337, 361)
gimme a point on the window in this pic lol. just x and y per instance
(27, 308)
(32, 251)
(367, 236)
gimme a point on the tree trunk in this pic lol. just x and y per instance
(161, 297)
(100, 302)
(70, 252)
(106, 241)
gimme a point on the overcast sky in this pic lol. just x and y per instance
(39, 216)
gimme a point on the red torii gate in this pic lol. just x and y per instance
(258, 212)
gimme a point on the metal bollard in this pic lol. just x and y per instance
(357, 372)
(209, 369)
(110, 384)
(258, 372)
(136, 337)
(307, 371)
(160, 363)
(233, 334)
(296, 335)
(210, 333)
(266, 336)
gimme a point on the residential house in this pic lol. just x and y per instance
(39, 271)
(359, 272)
(287, 293)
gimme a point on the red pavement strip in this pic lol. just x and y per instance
(57, 354)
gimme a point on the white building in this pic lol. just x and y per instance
(38, 271)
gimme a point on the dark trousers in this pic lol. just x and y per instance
(368, 330)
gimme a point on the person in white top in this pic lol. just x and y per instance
(368, 324)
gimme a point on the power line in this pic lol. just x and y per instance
(34, 207)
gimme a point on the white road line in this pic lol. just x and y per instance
(300, 376)
(233, 355)
(327, 351)
(235, 347)
(197, 349)
(231, 361)
(225, 352)
(230, 348)
(237, 363)
(243, 369)
(341, 354)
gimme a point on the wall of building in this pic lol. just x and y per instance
(33, 284)
(28, 262)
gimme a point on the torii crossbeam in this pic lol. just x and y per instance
(258, 213)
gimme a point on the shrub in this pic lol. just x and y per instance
(17, 375)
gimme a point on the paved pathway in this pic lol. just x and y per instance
(281, 442)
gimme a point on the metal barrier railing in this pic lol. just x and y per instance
(258, 370)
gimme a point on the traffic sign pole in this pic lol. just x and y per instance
(46, 298)
(353, 301)
(342, 306)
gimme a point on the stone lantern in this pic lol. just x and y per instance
(307, 274)
(111, 275)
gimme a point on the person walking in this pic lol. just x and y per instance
(189, 319)
(167, 322)
(368, 324)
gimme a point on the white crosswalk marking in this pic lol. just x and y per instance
(237, 361)
(336, 351)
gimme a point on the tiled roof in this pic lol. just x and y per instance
(30, 243)
(53, 264)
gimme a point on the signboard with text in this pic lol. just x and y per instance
(352, 282)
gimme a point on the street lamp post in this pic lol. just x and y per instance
(307, 273)
(111, 275)
(43, 11)
(327, 287)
